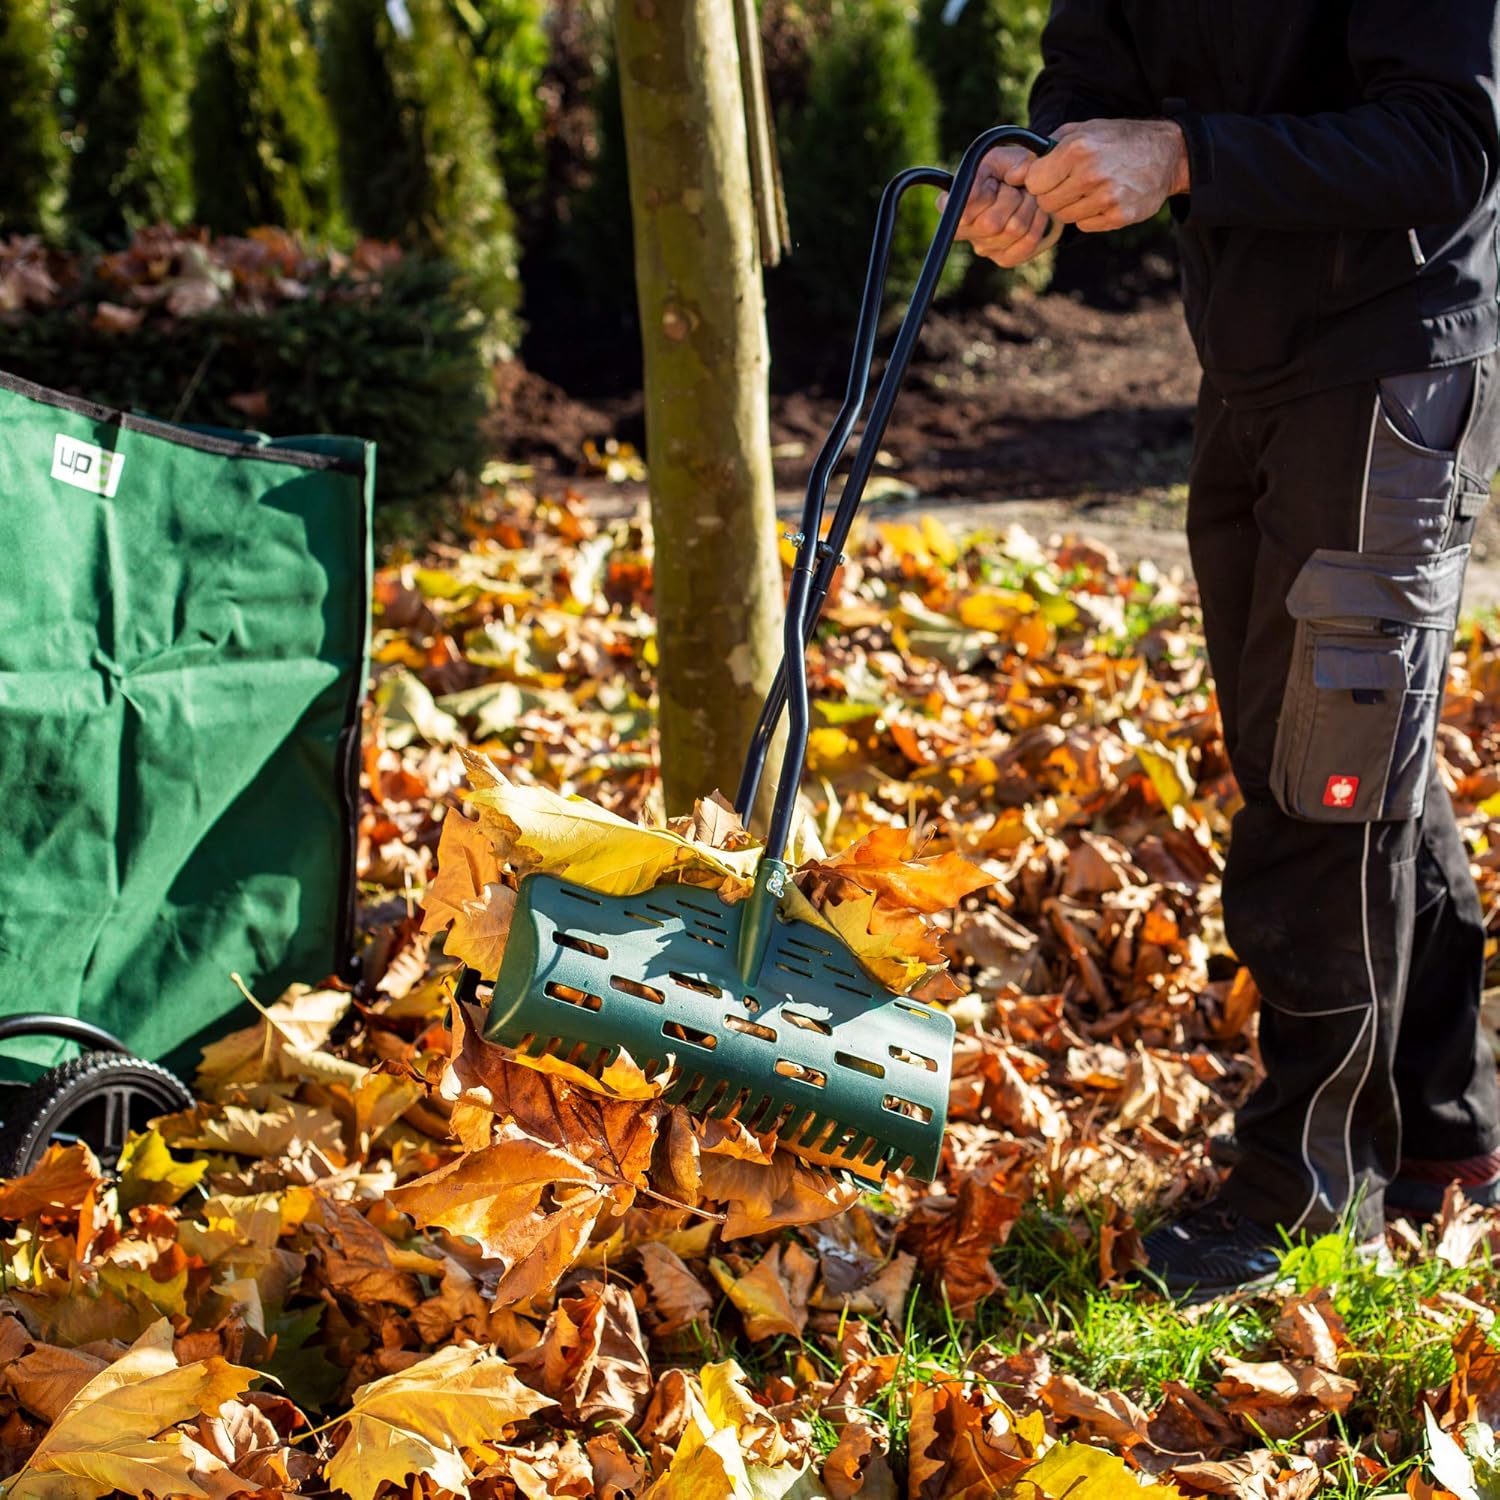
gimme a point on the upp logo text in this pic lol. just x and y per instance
(86, 466)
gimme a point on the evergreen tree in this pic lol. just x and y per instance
(415, 145)
(132, 81)
(264, 149)
(983, 63)
(33, 153)
(510, 52)
(871, 111)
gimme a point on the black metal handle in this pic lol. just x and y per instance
(810, 581)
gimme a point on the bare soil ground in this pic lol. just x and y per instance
(1053, 413)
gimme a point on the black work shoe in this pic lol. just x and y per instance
(1213, 1250)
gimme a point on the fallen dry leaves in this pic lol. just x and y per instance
(383, 1257)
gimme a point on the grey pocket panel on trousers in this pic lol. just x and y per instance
(1369, 663)
(1377, 586)
(1408, 498)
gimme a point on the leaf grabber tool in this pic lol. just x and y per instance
(766, 1018)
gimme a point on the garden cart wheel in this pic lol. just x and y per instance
(98, 1098)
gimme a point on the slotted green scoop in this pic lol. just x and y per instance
(770, 1020)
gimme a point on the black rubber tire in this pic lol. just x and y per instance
(99, 1097)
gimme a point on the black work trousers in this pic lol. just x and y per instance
(1329, 536)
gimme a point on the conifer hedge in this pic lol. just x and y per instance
(33, 154)
(264, 149)
(132, 79)
(983, 63)
(871, 110)
(510, 55)
(416, 149)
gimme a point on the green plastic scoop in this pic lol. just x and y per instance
(770, 1020)
(839, 1066)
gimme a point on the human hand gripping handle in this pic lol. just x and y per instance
(1003, 222)
(1103, 175)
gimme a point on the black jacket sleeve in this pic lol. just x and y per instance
(1088, 68)
(1422, 148)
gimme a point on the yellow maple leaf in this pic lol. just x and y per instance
(534, 829)
(302, 1019)
(149, 1173)
(886, 952)
(732, 1448)
(422, 1419)
(113, 1434)
(1079, 1471)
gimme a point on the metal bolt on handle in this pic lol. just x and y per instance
(810, 582)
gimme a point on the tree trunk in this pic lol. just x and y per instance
(703, 330)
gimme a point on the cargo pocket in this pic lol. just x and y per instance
(1363, 697)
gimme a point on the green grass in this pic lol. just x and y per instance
(1398, 1349)
(1129, 1339)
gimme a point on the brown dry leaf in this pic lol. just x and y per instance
(771, 1296)
(965, 1446)
(1159, 1087)
(1462, 1228)
(469, 897)
(496, 1196)
(1121, 1250)
(618, 1472)
(591, 1358)
(1474, 1392)
(47, 1378)
(285, 1130)
(678, 1298)
(884, 1293)
(880, 862)
(568, 1109)
(546, 1471)
(1308, 1326)
(1285, 1383)
(420, 1421)
(1110, 1415)
(358, 1261)
(857, 1465)
(1243, 1478)
(954, 1238)
(244, 1439)
(713, 822)
(110, 317)
(1185, 1423)
(302, 1020)
(59, 1185)
(762, 1198)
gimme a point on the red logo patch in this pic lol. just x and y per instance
(1340, 791)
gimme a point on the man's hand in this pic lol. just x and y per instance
(1105, 174)
(1004, 224)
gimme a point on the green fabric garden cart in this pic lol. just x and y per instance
(184, 620)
